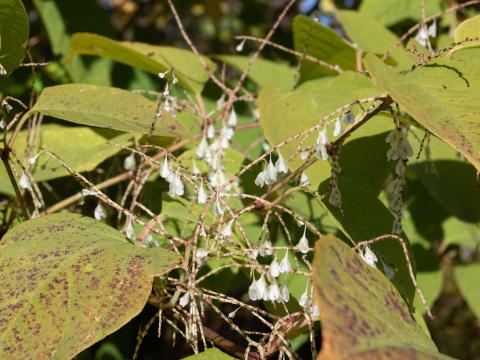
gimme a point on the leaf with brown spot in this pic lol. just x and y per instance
(442, 96)
(363, 316)
(68, 281)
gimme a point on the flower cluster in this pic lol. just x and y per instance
(176, 187)
(424, 33)
(269, 174)
(400, 150)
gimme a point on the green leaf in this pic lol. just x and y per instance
(264, 72)
(312, 38)
(364, 217)
(284, 114)
(210, 354)
(68, 281)
(393, 11)
(362, 314)
(81, 148)
(466, 278)
(371, 36)
(469, 28)
(154, 59)
(105, 107)
(442, 96)
(14, 28)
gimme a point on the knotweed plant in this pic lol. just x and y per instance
(239, 188)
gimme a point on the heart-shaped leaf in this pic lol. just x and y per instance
(68, 281)
(14, 30)
(362, 314)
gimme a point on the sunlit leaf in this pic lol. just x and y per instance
(154, 59)
(14, 29)
(210, 354)
(469, 28)
(362, 314)
(393, 11)
(68, 281)
(106, 107)
(317, 40)
(263, 72)
(442, 96)
(81, 148)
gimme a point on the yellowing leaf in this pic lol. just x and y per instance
(362, 314)
(68, 281)
(442, 96)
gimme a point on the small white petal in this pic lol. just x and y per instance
(303, 243)
(24, 183)
(100, 212)
(150, 242)
(184, 299)
(303, 299)
(285, 293)
(218, 208)
(274, 269)
(266, 248)
(252, 291)
(260, 179)
(304, 155)
(129, 163)
(239, 47)
(369, 256)
(176, 187)
(202, 148)
(227, 230)
(201, 254)
(270, 173)
(315, 311)
(432, 29)
(285, 265)
(261, 287)
(129, 230)
(232, 118)
(337, 129)
(165, 169)
(3, 71)
(34, 159)
(202, 195)
(195, 170)
(322, 138)
(163, 74)
(281, 165)
(304, 179)
(210, 131)
(274, 292)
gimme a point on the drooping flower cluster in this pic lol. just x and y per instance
(176, 187)
(400, 150)
(260, 290)
(268, 176)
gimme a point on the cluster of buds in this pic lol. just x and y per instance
(400, 150)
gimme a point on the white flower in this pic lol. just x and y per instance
(274, 269)
(163, 74)
(321, 151)
(99, 212)
(202, 148)
(176, 187)
(2, 121)
(24, 183)
(129, 163)
(195, 170)
(260, 179)
(281, 165)
(218, 208)
(304, 298)
(270, 173)
(210, 131)
(34, 159)
(232, 118)
(304, 155)
(422, 36)
(266, 248)
(202, 195)
(285, 265)
(227, 230)
(369, 256)
(432, 29)
(337, 129)
(322, 138)
(348, 117)
(285, 293)
(201, 254)
(315, 311)
(302, 245)
(165, 169)
(239, 47)
(129, 229)
(202, 232)
(184, 299)
(150, 242)
(389, 271)
(274, 292)
(304, 179)
(166, 91)
(3, 71)
(174, 78)
(261, 288)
